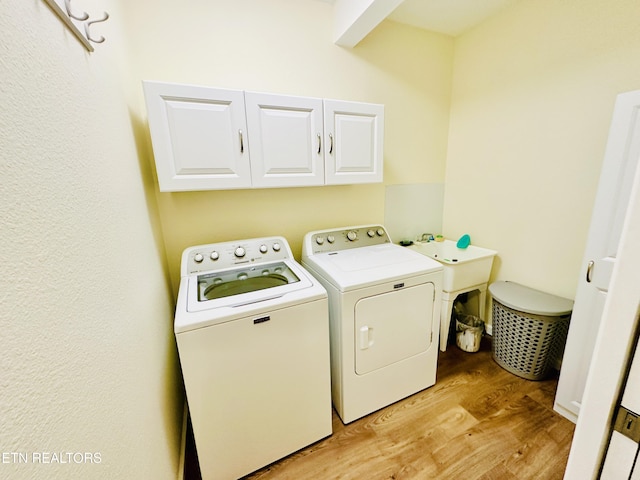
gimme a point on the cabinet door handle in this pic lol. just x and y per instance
(590, 271)
(241, 141)
(330, 144)
(319, 143)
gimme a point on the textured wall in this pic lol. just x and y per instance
(87, 362)
(533, 94)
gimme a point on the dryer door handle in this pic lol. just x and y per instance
(366, 337)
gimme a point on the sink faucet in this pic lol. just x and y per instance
(426, 237)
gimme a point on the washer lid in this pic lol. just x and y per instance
(528, 300)
(245, 285)
(216, 285)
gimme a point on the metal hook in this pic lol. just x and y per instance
(86, 29)
(82, 18)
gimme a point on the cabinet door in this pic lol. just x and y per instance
(285, 138)
(354, 135)
(198, 136)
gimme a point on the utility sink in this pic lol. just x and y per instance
(463, 267)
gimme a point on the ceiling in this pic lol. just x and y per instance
(451, 17)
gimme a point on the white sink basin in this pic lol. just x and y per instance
(463, 268)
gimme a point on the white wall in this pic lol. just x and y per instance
(533, 94)
(87, 362)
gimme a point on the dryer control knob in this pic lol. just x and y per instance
(198, 258)
(214, 256)
(240, 252)
(331, 238)
(319, 240)
(352, 235)
(371, 233)
(263, 249)
(380, 232)
(276, 247)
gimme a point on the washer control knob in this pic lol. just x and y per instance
(214, 256)
(371, 233)
(319, 240)
(276, 247)
(352, 235)
(331, 238)
(240, 252)
(380, 232)
(198, 258)
(263, 248)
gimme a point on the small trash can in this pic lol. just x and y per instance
(469, 330)
(529, 329)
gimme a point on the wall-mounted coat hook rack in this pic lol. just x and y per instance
(81, 18)
(88, 24)
(78, 23)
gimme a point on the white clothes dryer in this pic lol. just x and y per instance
(252, 331)
(384, 311)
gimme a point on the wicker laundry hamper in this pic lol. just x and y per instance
(529, 329)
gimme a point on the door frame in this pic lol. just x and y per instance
(612, 352)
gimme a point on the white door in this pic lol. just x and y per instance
(285, 138)
(623, 447)
(393, 326)
(199, 137)
(619, 165)
(354, 134)
(612, 354)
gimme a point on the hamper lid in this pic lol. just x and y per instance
(528, 300)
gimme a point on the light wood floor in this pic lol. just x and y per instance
(477, 422)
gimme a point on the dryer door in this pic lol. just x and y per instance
(393, 326)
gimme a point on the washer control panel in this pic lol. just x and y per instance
(332, 240)
(219, 256)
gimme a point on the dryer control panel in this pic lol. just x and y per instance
(333, 240)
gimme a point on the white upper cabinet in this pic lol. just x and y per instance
(212, 139)
(285, 139)
(198, 136)
(355, 133)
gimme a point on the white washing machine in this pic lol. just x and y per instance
(384, 311)
(252, 330)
